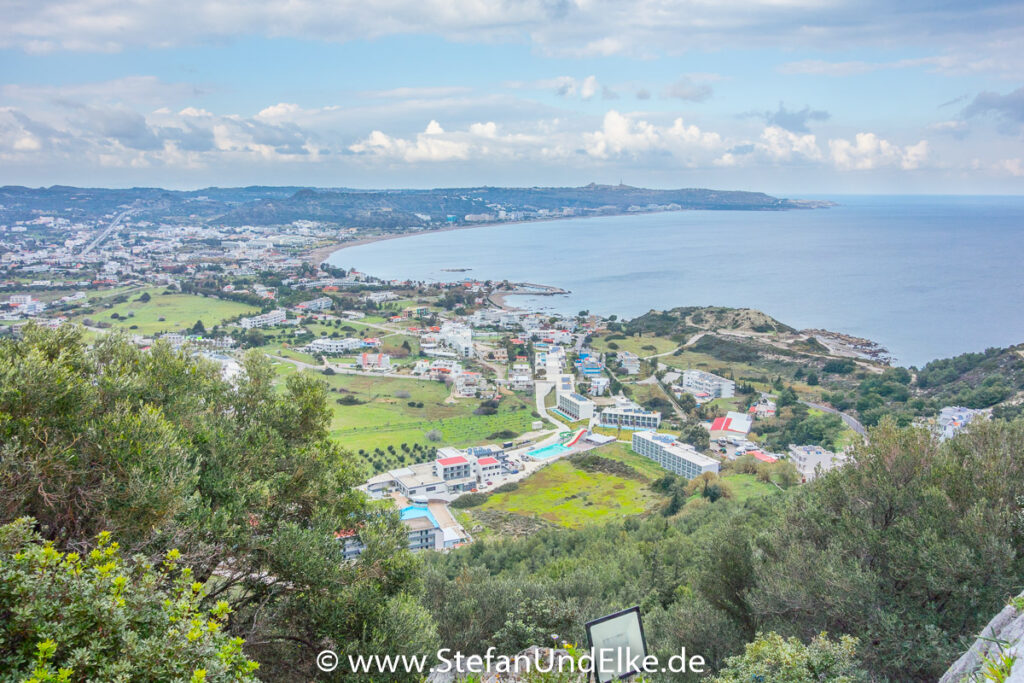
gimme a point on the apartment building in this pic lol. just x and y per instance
(575, 407)
(628, 415)
(681, 458)
(275, 317)
(329, 346)
(706, 386)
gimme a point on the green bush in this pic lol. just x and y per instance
(96, 616)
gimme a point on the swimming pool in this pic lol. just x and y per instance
(414, 511)
(547, 451)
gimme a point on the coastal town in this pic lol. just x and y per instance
(446, 391)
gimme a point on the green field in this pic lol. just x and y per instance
(746, 486)
(168, 313)
(385, 418)
(635, 344)
(570, 497)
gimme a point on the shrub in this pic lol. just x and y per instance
(469, 500)
(96, 616)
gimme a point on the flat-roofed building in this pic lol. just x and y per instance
(812, 460)
(419, 481)
(681, 458)
(734, 425)
(333, 346)
(453, 464)
(707, 385)
(628, 415)
(574, 406)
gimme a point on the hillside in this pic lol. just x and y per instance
(384, 209)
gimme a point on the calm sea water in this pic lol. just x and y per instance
(927, 277)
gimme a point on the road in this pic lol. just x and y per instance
(850, 421)
(106, 233)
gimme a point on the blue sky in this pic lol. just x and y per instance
(786, 96)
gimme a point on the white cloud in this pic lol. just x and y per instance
(1013, 167)
(622, 135)
(779, 144)
(430, 145)
(868, 151)
(589, 87)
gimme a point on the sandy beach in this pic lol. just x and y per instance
(320, 254)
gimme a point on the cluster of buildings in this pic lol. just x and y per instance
(954, 419)
(453, 473)
(22, 306)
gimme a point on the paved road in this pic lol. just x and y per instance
(850, 421)
(103, 235)
(542, 389)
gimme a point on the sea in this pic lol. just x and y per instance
(924, 276)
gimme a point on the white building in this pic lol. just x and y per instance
(707, 386)
(468, 383)
(681, 458)
(375, 361)
(458, 338)
(520, 378)
(323, 303)
(574, 406)
(275, 317)
(733, 425)
(810, 460)
(599, 385)
(630, 362)
(329, 346)
(628, 415)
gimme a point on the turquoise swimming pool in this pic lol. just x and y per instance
(414, 511)
(547, 451)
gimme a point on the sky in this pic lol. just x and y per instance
(791, 97)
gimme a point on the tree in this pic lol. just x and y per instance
(199, 328)
(97, 616)
(159, 449)
(787, 397)
(787, 660)
(696, 435)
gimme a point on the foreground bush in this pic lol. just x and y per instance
(99, 617)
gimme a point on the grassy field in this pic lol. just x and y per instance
(570, 497)
(385, 417)
(636, 344)
(169, 313)
(746, 486)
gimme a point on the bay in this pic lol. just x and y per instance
(925, 276)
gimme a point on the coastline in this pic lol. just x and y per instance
(321, 254)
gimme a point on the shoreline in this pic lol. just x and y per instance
(320, 254)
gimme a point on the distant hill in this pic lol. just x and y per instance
(386, 209)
